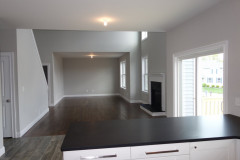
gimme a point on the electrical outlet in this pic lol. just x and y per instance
(87, 90)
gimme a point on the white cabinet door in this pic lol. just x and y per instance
(213, 150)
(238, 149)
(98, 154)
(170, 158)
(162, 150)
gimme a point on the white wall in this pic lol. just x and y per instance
(155, 48)
(85, 76)
(58, 84)
(89, 41)
(218, 24)
(32, 86)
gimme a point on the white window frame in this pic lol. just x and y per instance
(123, 74)
(145, 74)
(144, 35)
(221, 47)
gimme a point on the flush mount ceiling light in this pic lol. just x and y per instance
(105, 20)
(91, 55)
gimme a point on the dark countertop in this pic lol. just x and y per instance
(137, 132)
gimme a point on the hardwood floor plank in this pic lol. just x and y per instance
(34, 148)
(40, 148)
(69, 110)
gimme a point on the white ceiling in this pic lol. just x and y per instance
(87, 54)
(128, 15)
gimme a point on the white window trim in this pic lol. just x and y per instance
(144, 74)
(121, 84)
(221, 47)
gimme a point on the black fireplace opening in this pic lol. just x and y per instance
(156, 96)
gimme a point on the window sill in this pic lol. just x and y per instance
(145, 92)
(123, 88)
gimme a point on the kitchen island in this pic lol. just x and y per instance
(162, 138)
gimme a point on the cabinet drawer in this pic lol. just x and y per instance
(152, 151)
(213, 150)
(100, 154)
(171, 158)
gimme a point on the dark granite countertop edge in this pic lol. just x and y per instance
(63, 149)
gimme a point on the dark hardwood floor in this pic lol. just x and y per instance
(69, 110)
(33, 148)
(43, 141)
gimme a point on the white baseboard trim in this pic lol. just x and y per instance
(55, 103)
(92, 95)
(51, 105)
(2, 151)
(125, 98)
(23, 131)
(96, 95)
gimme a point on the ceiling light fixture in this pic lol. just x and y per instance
(105, 20)
(105, 23)
(91, 55)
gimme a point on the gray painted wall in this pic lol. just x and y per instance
(155, 48)
(8, 41)
(85, 76)
(58, 84)
(218, 24)
(89, 41)
(32, 85)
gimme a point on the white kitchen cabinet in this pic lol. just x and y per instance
(237, 149)
(163, 150)
(171, 158)
(122, 153)
(213, 150)
(204, 150)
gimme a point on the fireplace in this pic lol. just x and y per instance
(156, 96)
(156, 102)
